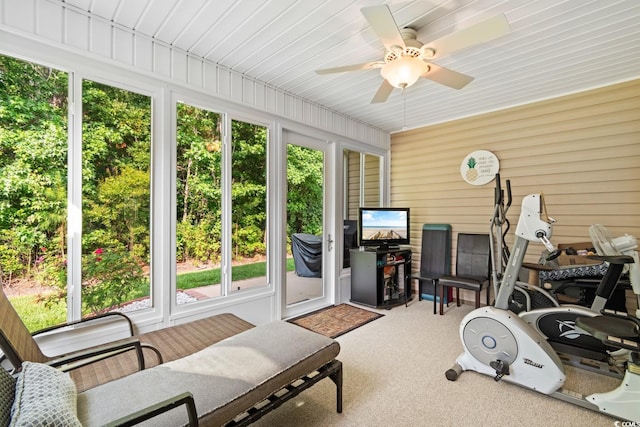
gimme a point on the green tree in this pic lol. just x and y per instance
(304, 190)
(116, 169)
(249, 189)
(198, 184)
(33, 160)
(120, 213)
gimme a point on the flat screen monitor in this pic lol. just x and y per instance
(385, 228)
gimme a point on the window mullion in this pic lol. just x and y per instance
(226, 250)
(74, 194)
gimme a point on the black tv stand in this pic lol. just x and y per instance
(380, 277)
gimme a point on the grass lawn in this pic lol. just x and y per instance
(36, 316)
(212, 277)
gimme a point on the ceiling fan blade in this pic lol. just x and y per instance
(481, 32)
(355, 67)
(383, 24)
(383, 92)
(447, 77)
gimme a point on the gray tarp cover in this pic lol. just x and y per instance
(307, 254)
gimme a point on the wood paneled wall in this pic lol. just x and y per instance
(352, 175)
(371, 180)
(582, 151)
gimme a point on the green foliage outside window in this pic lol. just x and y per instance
(116, 173)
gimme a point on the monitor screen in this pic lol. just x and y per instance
(383, 227)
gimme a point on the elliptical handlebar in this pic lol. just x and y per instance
(499, 194)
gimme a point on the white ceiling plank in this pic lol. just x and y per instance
(105, 9)
(248, 30)
(128, 12)
(202, 22)
(155, 16)
(555, 47)
(178, 20)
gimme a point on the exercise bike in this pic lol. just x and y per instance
(558, 323)
(542, 310)
(501, 344)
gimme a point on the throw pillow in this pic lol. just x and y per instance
(44, 396)
(7, 393)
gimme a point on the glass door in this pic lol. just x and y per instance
(309, 241)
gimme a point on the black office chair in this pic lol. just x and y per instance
(473, 270)
(435, 259)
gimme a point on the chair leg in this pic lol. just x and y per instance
(435, 294)
(406, 291)
(442, 290)
(478, 299)
(420, 290)
(488, 296)
(458, 297)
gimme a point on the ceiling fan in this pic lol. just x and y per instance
(407, 59)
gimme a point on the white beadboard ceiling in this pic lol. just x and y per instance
(555, 47)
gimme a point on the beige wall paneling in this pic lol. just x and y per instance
(582, 151)
(372, 185)
(353, 184)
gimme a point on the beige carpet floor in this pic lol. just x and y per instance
(394, 376)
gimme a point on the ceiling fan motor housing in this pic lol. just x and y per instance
(413, 47)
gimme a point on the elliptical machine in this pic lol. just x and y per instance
(542, 310)
(501, 344)
(525, 296)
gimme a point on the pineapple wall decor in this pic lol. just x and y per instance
(479, 167)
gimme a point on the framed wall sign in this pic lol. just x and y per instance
(479, 167)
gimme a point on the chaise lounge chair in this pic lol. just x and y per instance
(216, 371)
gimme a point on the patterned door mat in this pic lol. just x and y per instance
(336, 320)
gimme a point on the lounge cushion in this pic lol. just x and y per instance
(225, 379)
(173, 343)
(44, 396)
(7, 393)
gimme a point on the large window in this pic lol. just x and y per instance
(116, 165)
(33, 189)
(198, 203)
(76, 197)
(248, 205)
(203, 247)
(115, 206)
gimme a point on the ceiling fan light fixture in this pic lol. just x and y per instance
(404, 71)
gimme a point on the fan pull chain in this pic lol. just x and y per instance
(404, 109)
